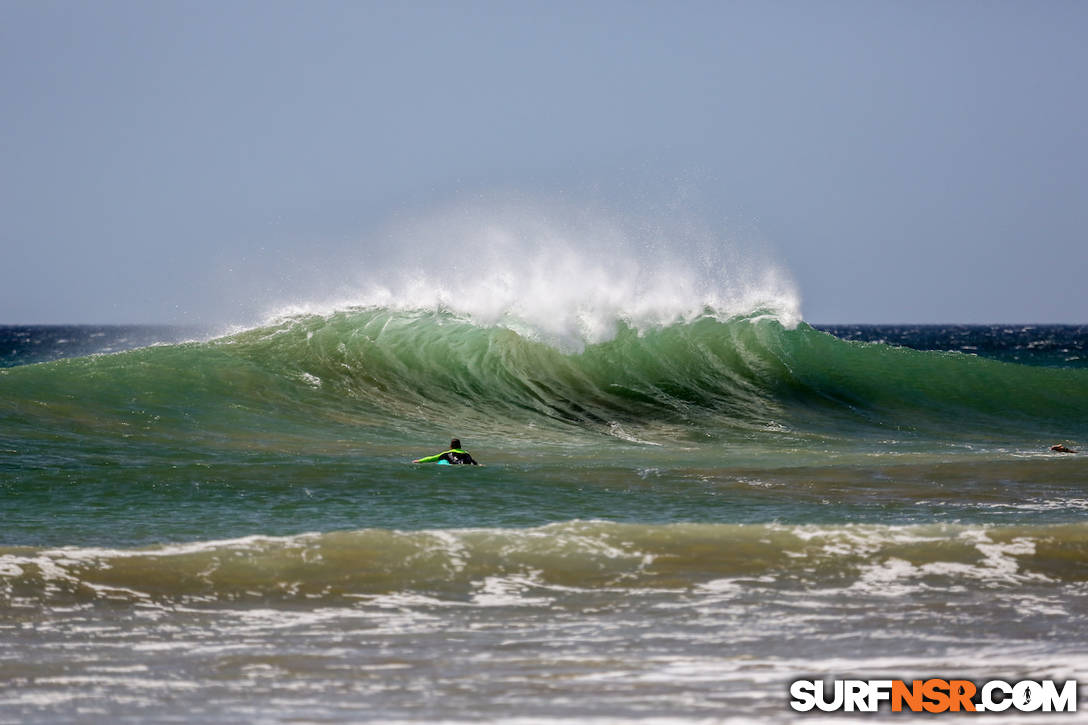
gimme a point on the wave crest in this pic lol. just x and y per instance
(565, 277)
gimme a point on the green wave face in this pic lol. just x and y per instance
(390, 376)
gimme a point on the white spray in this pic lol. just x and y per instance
(560, 275)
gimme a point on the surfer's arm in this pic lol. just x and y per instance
(429, 459)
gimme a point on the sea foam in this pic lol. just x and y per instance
(568, 277)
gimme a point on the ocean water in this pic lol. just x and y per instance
(677, 516)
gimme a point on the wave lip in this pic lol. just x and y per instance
(590, 311)
(566, 277)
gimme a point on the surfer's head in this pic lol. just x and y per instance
(455, 443)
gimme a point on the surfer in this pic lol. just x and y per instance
(455, 455)
(1059, 448)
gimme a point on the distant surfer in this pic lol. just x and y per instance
(454, 456)
(1059, 448)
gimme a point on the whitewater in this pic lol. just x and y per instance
(690, 497)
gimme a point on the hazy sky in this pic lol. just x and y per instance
(191, 161)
